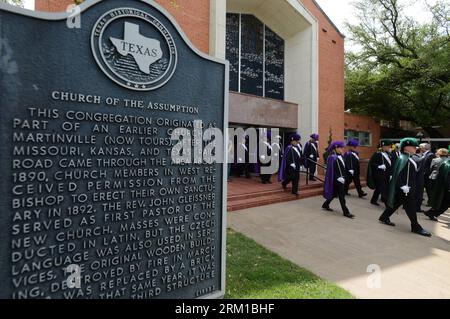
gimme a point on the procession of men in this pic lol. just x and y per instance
(400, 174)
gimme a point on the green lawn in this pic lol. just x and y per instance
(255, 272)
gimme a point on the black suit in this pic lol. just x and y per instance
(243, 162)
(382, 177)
(265, 178)
(395, 156)
(423, 176)
(429, 157)
(311, 152)
(339, 170)
(292, 174)
(352, 164)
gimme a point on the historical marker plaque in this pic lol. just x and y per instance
(91, 204)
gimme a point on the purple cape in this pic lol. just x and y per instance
(328, 187)
(283, 171)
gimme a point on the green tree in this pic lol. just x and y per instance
(15, 2)
(402, 70)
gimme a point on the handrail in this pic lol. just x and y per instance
(307, 171)
(318, 164)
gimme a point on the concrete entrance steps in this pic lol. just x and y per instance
(245, 201)
(248, 193)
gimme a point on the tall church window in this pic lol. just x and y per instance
(256, 55)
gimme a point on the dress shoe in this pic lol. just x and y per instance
(296, 194)
(327, 208)
(375, 203)
(284, 186)
(421, 232)
(348, 215)
(421, 211)
(347, 194)
(362, 195)
(387, 222)
(431, 216)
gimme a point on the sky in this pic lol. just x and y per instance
(340, 11)
(28, 4)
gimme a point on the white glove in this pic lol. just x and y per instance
(352, 172)
(293, 166)
(276, 154)
(263, 157)
(311, 156)
(240, 160)
(341, 180)
(405, 189)
(383, 167)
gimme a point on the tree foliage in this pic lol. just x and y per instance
(14, 2)
(402, 70)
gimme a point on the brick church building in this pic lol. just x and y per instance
(286, 63)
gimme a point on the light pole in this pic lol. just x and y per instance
(420, 135)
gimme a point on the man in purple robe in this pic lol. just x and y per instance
(335, 178)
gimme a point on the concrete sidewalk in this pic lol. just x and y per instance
(341, 250)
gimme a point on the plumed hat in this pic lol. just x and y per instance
(295, 137)
(352, 142)
(386, 143)
(336, 144)
(409, 141)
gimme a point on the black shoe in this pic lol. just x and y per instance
(296, 194)
(348, 215)
(312, 179)
(269, 182)
(284, 186)
(431, 216)
(362, 195)
(421, 211)
(387, 222)
(421, 232)
(375, 203)
(327, 208)
(263, 182)
(347, 194)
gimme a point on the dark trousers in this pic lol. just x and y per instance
(339, 192)
(409, 204)
(243, 168)
(419, 195)
(312, 170)
(293, 177)
(429, 188)
(381, 188)
(444, 206)
(265, 178)
(355, 179)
